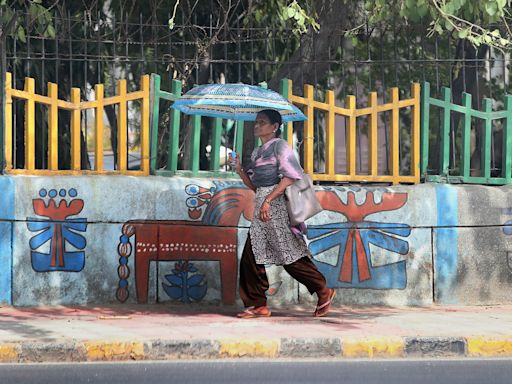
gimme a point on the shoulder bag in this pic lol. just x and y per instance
(301, 200)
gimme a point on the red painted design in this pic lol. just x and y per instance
(356, 214)
(56, 212)
(193, 240)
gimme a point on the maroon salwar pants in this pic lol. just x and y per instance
(254, 282)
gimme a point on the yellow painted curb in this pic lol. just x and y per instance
(373, 347)
(8, 353)
(100, 351)
(248, 348)
(485, 346)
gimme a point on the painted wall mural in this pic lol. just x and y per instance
(59, 229)
(210, 234)
(354, 267)
(184, 284)
(507, 230)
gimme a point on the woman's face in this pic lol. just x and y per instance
(263, 127)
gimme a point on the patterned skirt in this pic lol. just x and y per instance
(273, 241)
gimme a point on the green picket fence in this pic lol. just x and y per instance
(459, 171)
(193, 150)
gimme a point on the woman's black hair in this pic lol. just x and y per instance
(274, 117)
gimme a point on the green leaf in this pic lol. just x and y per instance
(463, 33)
(495, 33)
(491, 8)
(504, 42)
(21, 35)
(50, 31)
(448, 8)
(291, 12)
(422, 11)
(411, 4)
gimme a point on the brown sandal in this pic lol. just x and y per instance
(323, 309)
(252, 312)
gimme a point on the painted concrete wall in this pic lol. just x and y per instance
(97, 239)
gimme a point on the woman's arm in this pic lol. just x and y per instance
(278, 191)
(242, 174)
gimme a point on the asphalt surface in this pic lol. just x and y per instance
(467, 371)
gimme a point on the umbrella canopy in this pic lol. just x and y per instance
(236, 102)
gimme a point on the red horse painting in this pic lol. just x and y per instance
(214, 238)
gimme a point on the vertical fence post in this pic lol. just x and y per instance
(174, 130)
(330, 142)
(466, 137)
(144, 129)
(30, 126)
(122, 141)
(286, 88)
(395, 137)
(415, 137)
(486, 142)
(351, 140)
(444, 153)
(507, 142)
(309, 130)
(75, 130)
(373, 134)
(155, 114)
(7, 134)
(216, 140)
(195, 143)
(53, 125)
(98, 128)
(425, 126)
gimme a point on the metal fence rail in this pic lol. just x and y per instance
(311, 107)
(75, 106)
(462, 172)
(351, 112)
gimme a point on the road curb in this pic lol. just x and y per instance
(383, 347)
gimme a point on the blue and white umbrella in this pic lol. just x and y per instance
(236, 102)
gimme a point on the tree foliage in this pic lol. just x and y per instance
(481, 22)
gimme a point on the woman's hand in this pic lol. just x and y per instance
(235, 163)
(265, 211)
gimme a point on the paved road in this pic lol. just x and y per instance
(467, 371)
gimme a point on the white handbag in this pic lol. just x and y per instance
(301, 200)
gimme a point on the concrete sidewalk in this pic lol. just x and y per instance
(159, 332)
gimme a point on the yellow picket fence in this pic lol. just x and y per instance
(310, 105)
(76, 106)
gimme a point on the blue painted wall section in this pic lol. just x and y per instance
(59, 229)
(354, 268)
(6, 215)
(446, 241)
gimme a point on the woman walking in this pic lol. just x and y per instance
(273, 167)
